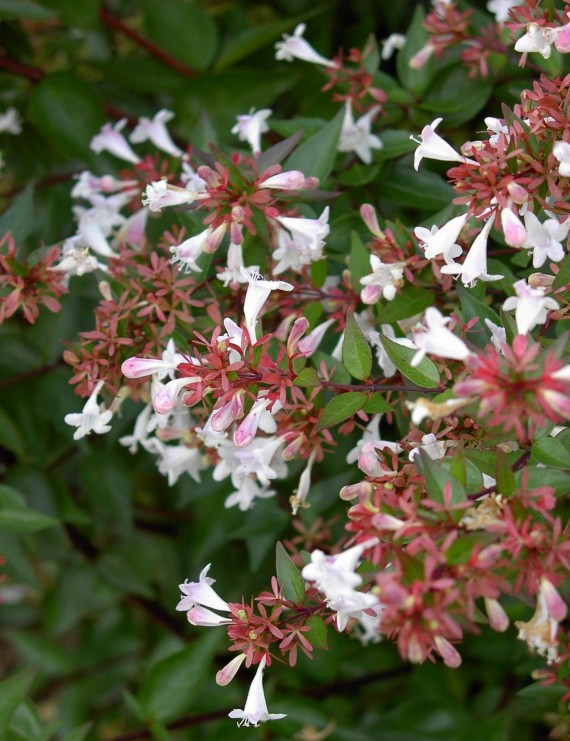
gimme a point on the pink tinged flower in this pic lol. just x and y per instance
(167, 397)
(311, 342)
(537, 39)
(247, 430)
(383, 280)
(436, 339)
(513, 229)
(10, 122)
(498, 335)
(298, 329)
(288, 180)
(433, 447)
(561, 151)
(545, 239)
(309, 233)
(93, 417)
(251, 126)
(204, 618)
(155, 130)
(225, 675)
(330, 573)
(368, 213)
(474, 267)
(232, 275)
(201, 593)
(256, 295)
(160, 194)
(111, 140)
(188, 252)
(383, 521)
(531, 306)
(133, 231)
(496, 126)
(540, 631)
(356, 137)
(295, 47)
(214, 238)
(432, 146)
(222, 418)
(450, 655)
(442, 241)
(562, 41)
(141, 367)
(498, 618)
(255, 709)
(351, 604)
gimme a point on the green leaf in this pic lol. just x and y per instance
(12, 691)
(455, 96)
(78, 734)
(82, 14)
(409, 302)
(376, 404)
(395, 143)
(18, 218)
(415, 80)
(172, 685)
(563, 277)
(437, 477)
(144, 75)
(66, 111)
(17, 516)
(356, 352)
(307, 378)
(460, 551)
(289, 576)
(316, 156)
(421, 190)
(551, 452)
(164, 25)
(504, 475)
(424, 374)
(317, 633)
(23, 10)
(340, 408)
(358, 261)
(278, 152)
(472, 307)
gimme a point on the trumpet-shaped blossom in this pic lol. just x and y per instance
(540, 631)
(384, 279)
(442, 241)
(110, 139)
(432, 146)
(155, 130)
(307, 234)
(295, 47)
(435, 338)
(93, 417)
(537, 39)
(356, 137)
(256, 295)
(255, 710)
(545, 239)
(251, 126)
(531, 306)
(474, 267)
(187, 252)
(201, 593)
(160, 194)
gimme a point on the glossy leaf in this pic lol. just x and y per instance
(424, 374)
(340, 408)
(317, 155)
(13, 690)
(356, 352)
(289, 576)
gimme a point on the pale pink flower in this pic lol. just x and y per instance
(201, 593)
(384, 279)
(295, 47)
(432, 146)
(256, 295)
(92, 418)
(442, 241)
(225, 675)
(537, 39)
(155, 130)
(356, 137)
(540, 631)
(288, 180)
(111, 140)
(255, 709)
(513, 229)
(562, 40)
(251, 126)
(531, 306)
(160, 194)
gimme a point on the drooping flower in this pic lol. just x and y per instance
(545, 239)
(531, 306)
(201, 593)
(474, 267)
(537, 39)
(256, 295)
(160, 194)
(255, 710)
(436, 339)
(356, 137)
(92, 418)
(540, 631)
(155, 130)
(111, 140)
(442, 241)
(188, 252)
(432, 146)
(295, 47)
(251, 126)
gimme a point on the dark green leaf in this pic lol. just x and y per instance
(409, 302)
(472, 307)
(455, 96)
(358, 262)
(307, 378)
(356, 352)
(164, 24)
(278, 152)
(376, 404)
(289, 576)
(18, 219)
(504, 475)
(424, 374)
(82, 14)
(551, 452)
(78, 734)
(424, 189)
(24, 10)
(317, 633)
(172, 685)
(316, 156)
(563, 277)
(12, 691)
(460, 551)
(395, 143)
(415, 80)
(340, 408)
(17, 516)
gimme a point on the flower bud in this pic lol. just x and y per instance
(450, 655)
(362, 490)
(513, 229)
(369, 217)
(517, 193)
(225, 675)
(498, 618)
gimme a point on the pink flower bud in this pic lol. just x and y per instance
(382, 521)
(370, 465)
(167, 398)
(290, 180)
(214, 238)
(422, 56)
(498, 619)
(450, 655)
(225, 675)
(204, 618)
(297, 331)
(369, 217)
(555, 605)
(294, 447)
(310, 343)
(141, 367)
(513, 229)
(211, 177)
(363, 491)
(488, 556)
(517, 193)
(248, 428)
(562, 42)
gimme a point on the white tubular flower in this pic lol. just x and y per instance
(256, 295)
(310, 343)
(474, 267)
(141, 367)
(111, 140)
(93, 417)
(246, 493)
(295, 47)
(133, 231)
(89, 185)
(187, 252)
(299, 498)
(433, 447)
(545, 240)
(10, 122)
(561, 151)
(251, 126)
(531, 306)
(76, 260)
(155, 130)
(537, 39)
(233, 275)
(382, 281)
(540, 631)
(160, 194)
(432, 146)
(288, 180)
(442, 241)
(255, 709)
(436, 339)
(391, 44)
(308, 234)
(140, 434)
(356, 137)
(498, 335)
(260, 459)
(500, 9)
(496, 126)
(201, 593)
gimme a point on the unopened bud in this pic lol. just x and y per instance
(513, 229)
(293, 449)
(498, 618)
(562, 41)
(363, 491)
(211, 177)
(450, 655)
(540, 280)
(370, 218)
(105, 290)
(225, 675)
(517, 193)
(555, 605)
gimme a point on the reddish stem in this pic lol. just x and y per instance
(22, 70)
(145, 44)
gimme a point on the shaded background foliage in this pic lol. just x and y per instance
(94, 541)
